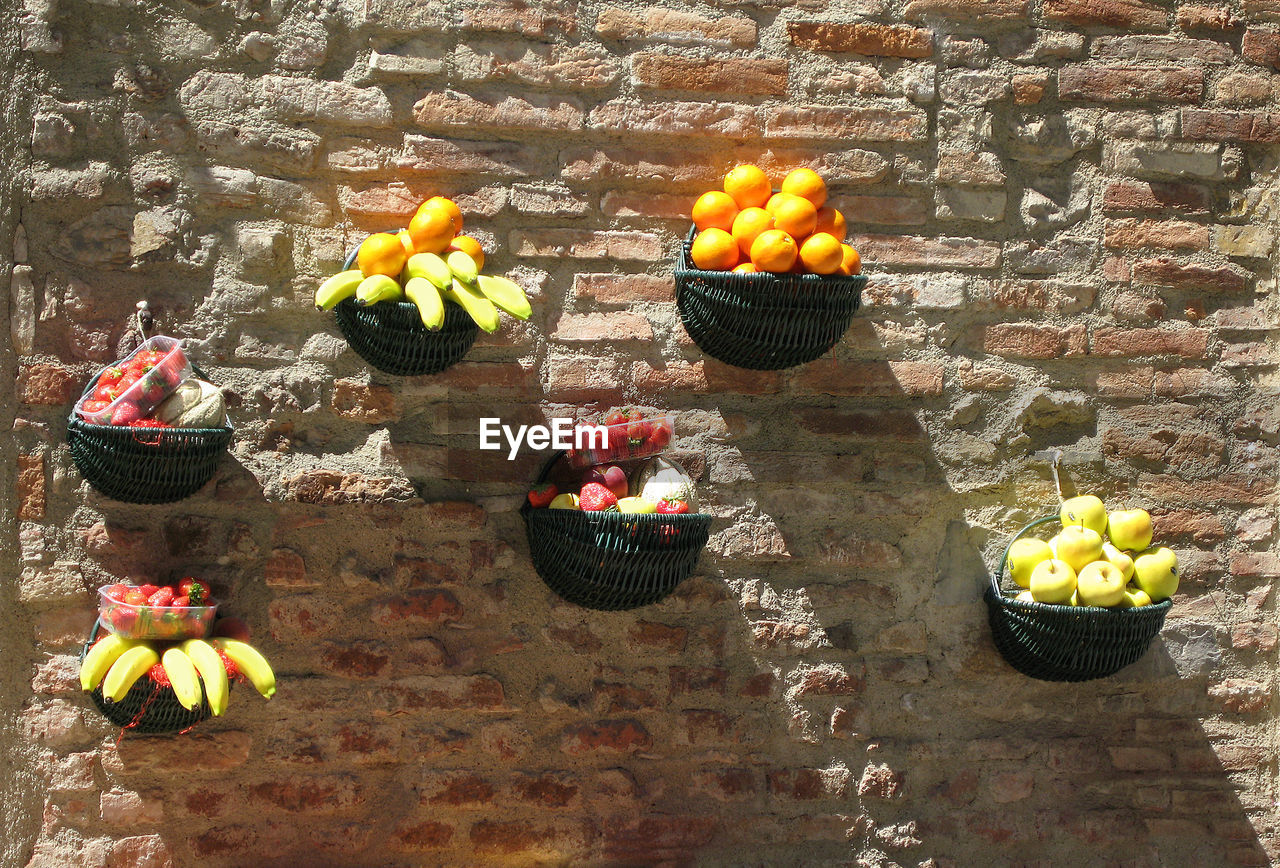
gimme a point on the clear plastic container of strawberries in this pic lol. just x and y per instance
(184, 610)
(622, 435)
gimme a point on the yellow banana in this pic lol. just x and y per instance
(506, 294)
(424, 294)
(100, 657)
(128, 668)
(480, 308)
(431, 267)
(336, 288)
(209, 664)
(378, 288)
(183, 677)
(251, 663)
(462, 266)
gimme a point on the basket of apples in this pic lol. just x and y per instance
(149, 428)
(1090, 599)
(764, 279)
(157, 662)
(628, 535)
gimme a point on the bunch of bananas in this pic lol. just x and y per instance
(117, 663)
(429, 282)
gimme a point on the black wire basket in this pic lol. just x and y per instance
(145, 465)
(147, 708)
(390, 335)
(611, 561)
(1067, 643)
(764, 321)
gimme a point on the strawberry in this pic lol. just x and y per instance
(149, 423)
(542, 495)
(594, 497)
(135, 597)
(617, 417)
(157, 674)
(659, 437)
(115, 592)
(123, 619)
(126, 413)
(233, 671)
(187, 586)
(672, 506)
(162, 598)
(148, 589)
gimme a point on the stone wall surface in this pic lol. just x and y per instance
(1068, 211)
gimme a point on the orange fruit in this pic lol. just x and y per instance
(831, 222)
(749, 223)
(381, 253)
(793, 214)
(748, 185)
(714, 250)
(407, 241)
(431, 228)
(774, 250)
(745, 268)
(714, 210)
(807, 184)
(821, 253)
(469, 246)
(451, 207)
(850, 262)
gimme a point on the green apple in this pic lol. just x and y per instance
(1053, 581)
(1118, 559)
(1023, 556)
(1077, 546)
(1134, 598)
(1156, 572)
(1130, 529)
(636, 505)
(1100, 584)
(564, 501)
(1084, 511)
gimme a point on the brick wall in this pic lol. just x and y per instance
(1068, 212)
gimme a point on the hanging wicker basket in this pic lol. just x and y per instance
(147, 708)
(611, 561)
(764, 321)
(145, 465)
(390, 335)
(1067, 643)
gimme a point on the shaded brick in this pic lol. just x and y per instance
(586, 244)
(1107, 13)
(534, 112)
(361, 402)
(882, 40)
(937, 253)
(1261, 47)
(1189, 276)
(872, 379)
(887, 424)
(1231, 126)
(606, 736)
(1130, 84)
(1134, 196)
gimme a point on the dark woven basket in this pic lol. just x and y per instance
(391, 337)
(147, 708)
(1067, 643)
(145, 465)
(611, 561)
(764, 321)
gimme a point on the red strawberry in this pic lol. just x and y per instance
(673, 506)
(617, 417)
(181, 602)
(126, 413)
(157, 674)
(233, 671)
(149, 423)
(185, 585)
(594, 497)
(148, 589)
(542, 495)
(123, 619)
(116, 592)
(135, 597)
(659, 437)
(162, 598)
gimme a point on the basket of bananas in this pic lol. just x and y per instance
(151, 685)
(412, 302)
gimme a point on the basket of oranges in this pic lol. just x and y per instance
(393, 330)
(765, 279)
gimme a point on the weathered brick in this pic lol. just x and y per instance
(517, 16)
(47, 384)
(703, 376)
(1194, 16)
(592, 327)
(1161, 48)
(564, 66)
(872, 379)
(1130, 84)
(31, 486)
(1261, 47)
(622, 289)
(938, 253)
(675, 118)
(677, 26)
(532, 112)
(1120, 342)
(1107, 13)
(333, 102)
(1231, 126)
(872, 425)
(586, 244)
(1131, 196)
(879, 40)
(971, 11)
(1029, 89)
(606, 736)
(1181, 160)
(361, 402)
(1189, 276)
(1026, 341)
(822, 123)
(1240, 695)
(1168, 234)
(751, 76)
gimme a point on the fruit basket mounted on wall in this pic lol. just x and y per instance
(611, 561)
(390, 335)
(764, 321)
(144, 465)
(1067, 643)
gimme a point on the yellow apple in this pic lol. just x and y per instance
(1156, 572)
(1023, 556)
(1134, 598)
(1100, 584)
(1077, 546)
(1053, 581)
(1084, 511)
(1118, 559)
(564, 501)
(1130, 529)
(636, 505)
(1025, 597)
